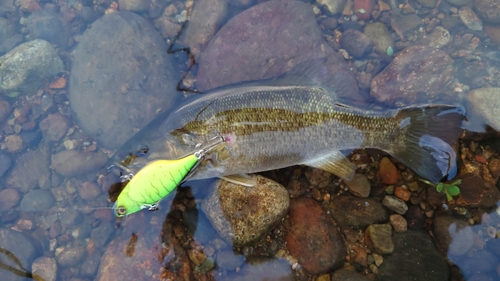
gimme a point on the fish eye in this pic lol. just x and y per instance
(121, 211)
(142, 150)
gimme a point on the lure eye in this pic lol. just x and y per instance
(121, 211)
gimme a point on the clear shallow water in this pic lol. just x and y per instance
(181, 239)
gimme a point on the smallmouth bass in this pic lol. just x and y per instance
(281, 122)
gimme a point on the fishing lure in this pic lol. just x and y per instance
(157, 180)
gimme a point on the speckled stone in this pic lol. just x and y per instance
(359, 185)
(242, 214)
(378, 237)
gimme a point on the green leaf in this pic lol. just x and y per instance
(390, 51)
(439, 187)
(13, 94)
(361, 11)
(448, 196)
(453, 190)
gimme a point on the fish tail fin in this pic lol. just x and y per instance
(426, 138)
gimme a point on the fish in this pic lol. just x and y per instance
(295, 120)
(157, 180)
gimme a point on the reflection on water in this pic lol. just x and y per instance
(301, 223)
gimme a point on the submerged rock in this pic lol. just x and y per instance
(30, 169)
(356, 212)
(28, 67)
(37, 201)
(266, 41)
(20, 247)
(414, 258)
(243, 214)
(313, 237)
(70, 163)
(483, 108)
(418, 74)
(139, 79)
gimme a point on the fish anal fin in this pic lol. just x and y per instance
(241, 179)
(335, 163)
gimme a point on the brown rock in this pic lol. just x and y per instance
(356, 43)
(9, 198)
(14, 143)
(402, 193)
(71, 163)
(359, 185)
(242, 214)
(488, 10)
(454, 236)
(379, 238)
(387, 171)
(494, 166)
(344, 274)
(89, 190)
(5, 110)
(475, 191)
(357, 212)
(313, 238)
(398, 223)
(318, 177)
(417, 69)
(246, 48)
(29, 169)
(54, 127)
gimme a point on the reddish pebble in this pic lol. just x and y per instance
(402, 193)
(363, 9)
(9, 198)
(387, 171)
(480, 159)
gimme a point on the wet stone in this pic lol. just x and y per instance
(380, 36)
(402, 193)
(5, 110)
(347, 275)
(228, 260)
(134, 5)
(108, 109)
(29, 168)
(406, 25)
(47, 25)
(470, 19)
(206, 19)
(494, 166)
(378, 237)
(9, 198)
(54, 127)
(101, 234)
(37, 201)
(488, 10)
(273, 269)
(359, 185)
(90, 264)
(28, 66)
(70, 256)
(438, 38)
(387, 171)
(21, 248)
(475, 191)
(14, 143)
(395, 204)
(45, 268)
(483, 108)
(70, 163)
(89, 191)
(313, 237)
(318, 177)
(415, 257)
(399, 223)
(333, 6)
(243, 214)
(454, 236)
(5, 163)
(417, 69)
(357, 212)
(356, 43)
(236, 53)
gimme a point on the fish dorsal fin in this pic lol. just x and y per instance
(335, 163)
(241, 179)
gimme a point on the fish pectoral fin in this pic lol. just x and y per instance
(241, 179)
(335, 163)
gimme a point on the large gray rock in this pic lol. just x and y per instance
(266, 41)
(121, 78)
(483, 108)
(15, 245)
(37, 201)
(28, 67)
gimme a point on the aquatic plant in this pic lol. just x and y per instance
(449, 189)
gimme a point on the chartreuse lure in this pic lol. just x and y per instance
(156, 181)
